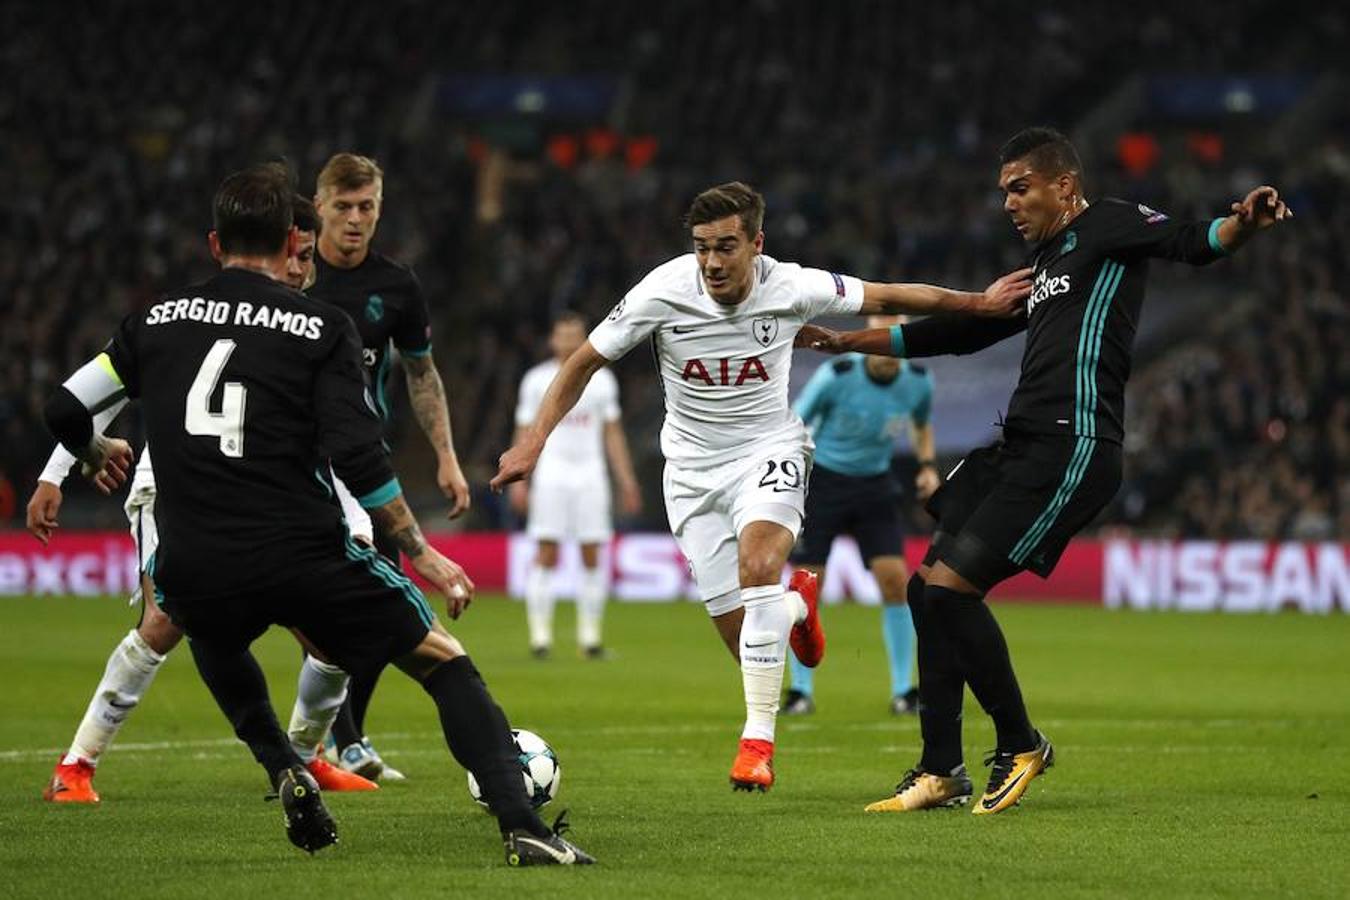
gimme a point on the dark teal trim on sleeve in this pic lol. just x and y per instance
(897, 341)
(416, 354)
(1214, 243)
(381, 495)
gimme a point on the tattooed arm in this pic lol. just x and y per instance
(350, 438)
(396, 520)
(427, 393)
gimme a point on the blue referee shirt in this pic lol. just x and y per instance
(855, 420)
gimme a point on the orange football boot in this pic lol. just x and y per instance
(808, 635)
(72, 783)
(753, 768)
(331, 778)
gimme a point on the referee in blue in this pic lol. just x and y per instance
(856, 407)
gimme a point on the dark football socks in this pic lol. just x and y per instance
(349, 726)
(983, 653)
(479, 738)
(940, 686)
(236, 681)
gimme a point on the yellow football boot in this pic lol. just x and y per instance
(1011, 774)
(924, 790)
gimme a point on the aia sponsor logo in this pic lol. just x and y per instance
(725, 372)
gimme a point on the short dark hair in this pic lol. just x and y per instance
(303, 215)
(1048, 151)
(735, 198)
(570, 317)
(253, 211)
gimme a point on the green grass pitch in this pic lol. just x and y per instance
(1198, 756)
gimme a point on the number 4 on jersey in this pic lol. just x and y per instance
(228, 424)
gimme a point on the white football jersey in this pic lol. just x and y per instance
(576, 448)
(724, 369)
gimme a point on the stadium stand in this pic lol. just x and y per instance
(873, 144)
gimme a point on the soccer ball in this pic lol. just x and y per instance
(538, 766)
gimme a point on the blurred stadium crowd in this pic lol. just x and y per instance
(872, 128)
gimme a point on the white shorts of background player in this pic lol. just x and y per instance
(576, 508)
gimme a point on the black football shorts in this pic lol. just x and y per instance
(865, 507)
(354, 605)
(1015, 505)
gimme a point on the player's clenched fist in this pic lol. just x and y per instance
(108, 463)
(447, 577)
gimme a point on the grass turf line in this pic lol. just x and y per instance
(1190, 747)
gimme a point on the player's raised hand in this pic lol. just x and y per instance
(1004, 298)
(446, 576)
(516, 463)
(454, 486)
(43, 508)
(109, 463)
(816, 338)
(1261, 208)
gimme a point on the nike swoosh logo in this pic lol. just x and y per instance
(115, 705)
(561, 858)
(757, 646)
(990, 803)
(678, 330)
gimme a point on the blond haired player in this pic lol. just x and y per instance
(568, 496)
(724, 319)
(385, 300)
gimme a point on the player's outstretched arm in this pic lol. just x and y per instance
(395, 519)
(562, 394)
(933, 336)
(426, 391)
(1140, 231)
(1002, 298)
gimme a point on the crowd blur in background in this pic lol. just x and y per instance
(539, 159)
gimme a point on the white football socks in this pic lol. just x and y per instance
(590, 607)
(764, 640)
(797, 606)
(131, 668)
(539, 605)
(318, 698)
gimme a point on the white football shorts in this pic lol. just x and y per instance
(573, 509)
(708, 509)
(140, 510)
